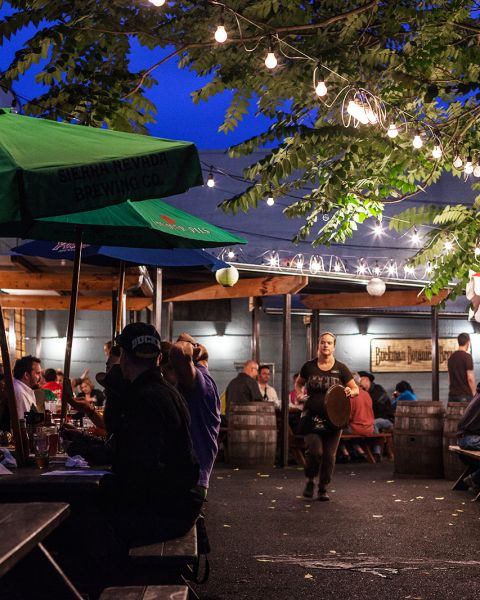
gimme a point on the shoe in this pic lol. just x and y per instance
(377, 457)
(308, 491)
(322, 495)
(468, 481)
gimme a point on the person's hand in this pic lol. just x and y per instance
(348, 392)
(81, 404)
(85, 374)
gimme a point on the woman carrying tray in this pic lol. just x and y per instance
(322, 430)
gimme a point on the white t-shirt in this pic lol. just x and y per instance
(270, 393)
(24, 397)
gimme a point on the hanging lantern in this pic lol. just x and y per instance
(227, 277)
(376, 286)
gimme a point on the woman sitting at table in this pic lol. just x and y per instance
(403, 391)
(91, 395)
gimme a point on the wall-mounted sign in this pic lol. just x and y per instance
(394, 355)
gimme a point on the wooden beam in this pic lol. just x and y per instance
(95, 282)
(261, 286)
(63, 302)
(364, 300)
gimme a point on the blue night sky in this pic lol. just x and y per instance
(177, 116)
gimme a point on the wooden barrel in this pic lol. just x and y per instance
(452, 465)
(417, 437)
(252, 434)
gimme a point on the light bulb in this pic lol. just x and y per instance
(448, 246)
(271, 60)
(270, 201)
(220, 34)
(231, 254)
(210, 181)
(392, 131)
(415, 237)
(437, 152)
(457, 162)
(417, 141)
(357, 111)
(378, 230)
(321, 89)
(157, 2)
(337, 267)
(361, 269)
(477, 251)
(468, 169)
(476, 171)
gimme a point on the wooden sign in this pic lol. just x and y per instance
(403, 355)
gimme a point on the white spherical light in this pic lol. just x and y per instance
(376, 287)
(227, 277)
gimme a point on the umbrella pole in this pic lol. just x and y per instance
(20, 451)
(121, 291)
(67, 392)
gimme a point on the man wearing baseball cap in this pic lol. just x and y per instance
(151, 496)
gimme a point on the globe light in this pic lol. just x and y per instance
(476, 171)
(376, 287)
(210, 181)
(157, 2)
(270, 201)
(221, 34)
(468, 169)
(457, 162)
(321, 89)
(227, 277)
(417, 141)
(392, 131)
(437, 152)
(231, 254)
(271, 60)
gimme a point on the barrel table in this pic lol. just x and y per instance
(418, 439)
(452, 465)
(252, 434)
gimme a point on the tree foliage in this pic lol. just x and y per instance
(421, 59)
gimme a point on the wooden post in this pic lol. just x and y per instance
(287, 344)
(157, 300)
(170, 321)
(120, 299)
(435, 356)
(39, 332)
(114, 314)
(254, 304)
(315, 332)
(67, 391)
(20, 452)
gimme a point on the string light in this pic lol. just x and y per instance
(361, 269)
(231, 254)
(392, 268)
(211, 180)
(476, 171)
(457, 162)
(270, 199)
(299, 261)
(157, 2)
(417, 141)
(271, 60)
(220, 34)
(378, 229)
(392, 131)
(468, 169)
(415, 237)
(376, 269)
(437, 152)
(448, 246)
(409, 270)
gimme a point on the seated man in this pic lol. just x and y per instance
(361, 417)
(468, 437)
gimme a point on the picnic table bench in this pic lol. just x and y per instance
(150, 592)
(473, 457)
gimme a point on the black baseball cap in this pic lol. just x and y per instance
(371, 376)
(140, 339)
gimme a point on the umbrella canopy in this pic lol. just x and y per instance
(145, 224)
(110, 256)
(51, 168)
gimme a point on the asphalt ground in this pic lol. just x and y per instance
(379, 537)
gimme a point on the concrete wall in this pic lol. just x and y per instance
(229, 350)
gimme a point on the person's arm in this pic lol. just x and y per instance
(299, 389)
(471, 382)
(86, 408)
(351, 389)
(181, 359)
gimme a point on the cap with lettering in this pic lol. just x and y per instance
(140, 339)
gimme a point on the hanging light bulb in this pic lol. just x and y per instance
(220, 34)
(378, 229)
(392, 131)
(457, 162)
(337, 268)
(392, 268)
(409, 270)
(429, 268)
(417, 141)
(361, 269)
(211, 180)
(415, 237)
(476, 171)
(376, 269)
(448, 246)
(468, 169)
(231, 254)
(270, 199)
(157, 2)
(361, 112)
(437, 152)
(477, 251)
(299, 261)
(321, 89)
(314, 265)
(271, 60)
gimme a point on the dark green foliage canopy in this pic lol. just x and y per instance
(420, 59)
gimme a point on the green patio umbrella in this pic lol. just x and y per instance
(52, 168)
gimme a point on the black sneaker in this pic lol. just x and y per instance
(322, 495)
(308, 491)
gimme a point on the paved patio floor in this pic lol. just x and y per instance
(380, 537)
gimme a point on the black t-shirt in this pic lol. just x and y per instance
(458, 364)
(318, 381)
